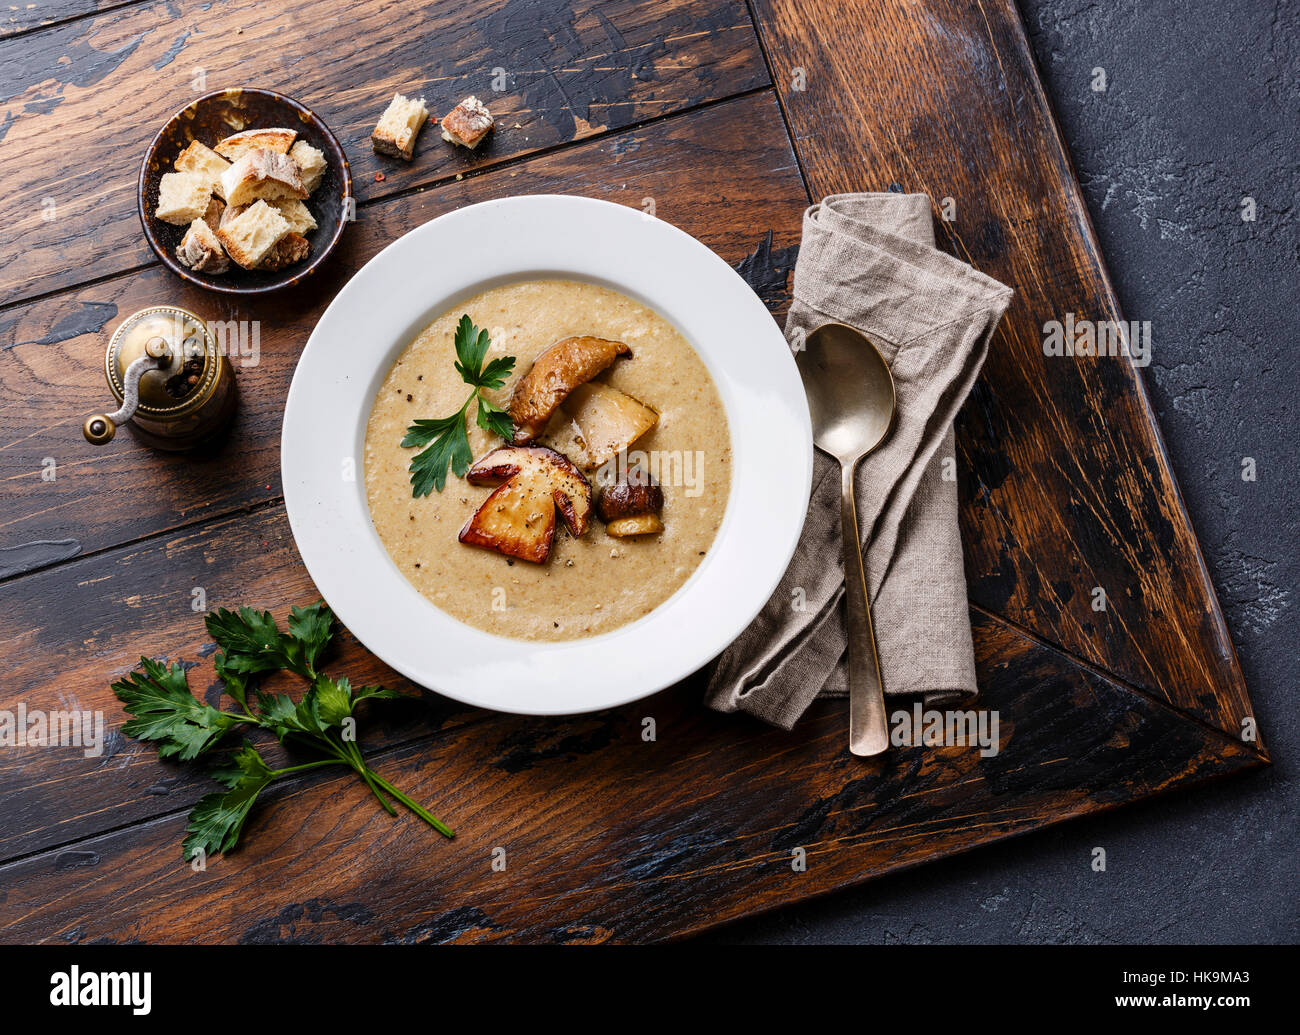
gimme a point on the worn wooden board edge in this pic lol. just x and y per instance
(580, 872)
(1064, 818)
(1227, 648)
(1207, 682)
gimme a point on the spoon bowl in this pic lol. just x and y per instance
(850, 391)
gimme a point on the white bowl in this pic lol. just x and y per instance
(396, 294)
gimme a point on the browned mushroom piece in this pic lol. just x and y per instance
(554, 374)
(607, 421)
(631, 505)
(518, 519)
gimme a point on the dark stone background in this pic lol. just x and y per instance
(1200, 111)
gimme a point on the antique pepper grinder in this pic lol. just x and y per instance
(170, 379)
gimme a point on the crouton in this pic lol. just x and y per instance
(298, 215)
(200, 249)
(277, 140)
(182, 198)
(290, 249)
(250, 236)
(311, 164)
(201, 160)
(230, 214)
(261, 174)
(467, 123)
(399, 126)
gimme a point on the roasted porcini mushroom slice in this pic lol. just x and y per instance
(518, 519)
(631, 505)
(554, 374)
(608, 421)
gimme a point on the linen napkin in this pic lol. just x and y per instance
(869, 261)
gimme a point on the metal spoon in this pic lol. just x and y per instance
(851, 399)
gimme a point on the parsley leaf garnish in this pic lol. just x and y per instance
(444, 441)
(162, 709)
(254, 644)
(217, 819)
(447, 442)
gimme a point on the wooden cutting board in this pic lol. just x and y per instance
(732, 118)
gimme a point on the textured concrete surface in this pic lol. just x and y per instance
(1200, 111)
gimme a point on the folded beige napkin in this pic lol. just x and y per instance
(869, 261)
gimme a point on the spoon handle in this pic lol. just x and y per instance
(868, 733)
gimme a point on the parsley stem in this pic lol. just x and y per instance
(307, 765)
(414, 806)
(359, 764)
(352, 759)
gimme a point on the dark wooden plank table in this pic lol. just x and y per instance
(732, 117)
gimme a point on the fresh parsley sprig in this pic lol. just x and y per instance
(444, 440)
(163, 710)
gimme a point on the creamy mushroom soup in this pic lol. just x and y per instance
(588, 584)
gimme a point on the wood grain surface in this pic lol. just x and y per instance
(568, 69)
(31, 15)
(93, 616)
(1065, 483)
(606, 836)
(1068, 486)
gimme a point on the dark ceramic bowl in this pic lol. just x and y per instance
(214, 117)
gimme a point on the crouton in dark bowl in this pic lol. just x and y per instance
(214, 117)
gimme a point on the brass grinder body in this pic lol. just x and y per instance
(184, 391)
